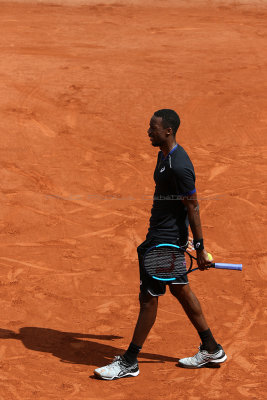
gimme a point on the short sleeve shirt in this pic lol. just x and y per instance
(174, 177)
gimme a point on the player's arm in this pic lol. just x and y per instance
(191, 203)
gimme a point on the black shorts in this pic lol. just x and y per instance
(148, 284)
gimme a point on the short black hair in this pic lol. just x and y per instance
(170, 119)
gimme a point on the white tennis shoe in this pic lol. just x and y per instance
(119, 368)
(203, 357)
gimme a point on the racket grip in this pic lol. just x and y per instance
(237, 267)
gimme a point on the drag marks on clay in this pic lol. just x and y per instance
(98, 233)
(42, 268)
(58, 52)
(136, 170)
(27, 264)
(42, 181)
(246, 365)
(42, 127)
(236, 190)
(64, 196)
(249, 390)
(243, 325)
(75, 210)
(107, 307)
(246, 201)
(48, 108)
(162, 30)
(217, 170)
(170, 312)
(237, 351)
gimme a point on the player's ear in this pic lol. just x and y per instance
(169, 131)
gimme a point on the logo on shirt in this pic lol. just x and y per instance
(162, 169)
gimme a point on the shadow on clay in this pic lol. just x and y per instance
(75, 348)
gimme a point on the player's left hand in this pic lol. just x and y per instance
(203, 260)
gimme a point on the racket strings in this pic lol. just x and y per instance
(164, 262)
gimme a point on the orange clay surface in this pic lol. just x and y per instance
(79, 84)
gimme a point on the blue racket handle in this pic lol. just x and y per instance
(238, 267)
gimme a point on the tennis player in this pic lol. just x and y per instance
(175, 206)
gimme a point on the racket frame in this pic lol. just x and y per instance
(177, 247)
(236, 267)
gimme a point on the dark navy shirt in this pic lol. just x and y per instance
(174, 177)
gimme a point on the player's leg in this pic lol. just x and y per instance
(191, 306)
(148, 298)
(126, 365)
(146, 318)
(210, 350)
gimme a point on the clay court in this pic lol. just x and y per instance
(79, 83)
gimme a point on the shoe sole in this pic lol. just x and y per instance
(131, 374)
(218, 361)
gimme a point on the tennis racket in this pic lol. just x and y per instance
(167, 262)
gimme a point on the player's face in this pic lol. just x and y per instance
(158, 135)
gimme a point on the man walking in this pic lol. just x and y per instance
(174, 176)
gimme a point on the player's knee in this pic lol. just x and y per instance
(146, 300)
